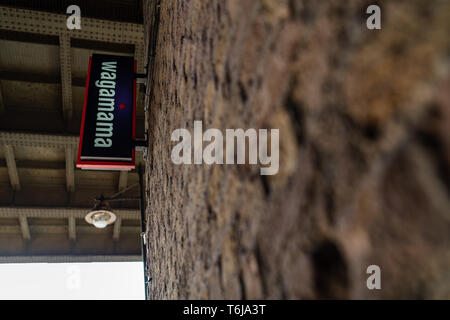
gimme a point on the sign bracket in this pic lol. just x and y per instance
(141, 78)
(141, 145)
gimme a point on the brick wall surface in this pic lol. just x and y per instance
(364, 119)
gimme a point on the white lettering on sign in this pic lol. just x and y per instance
(106, 93)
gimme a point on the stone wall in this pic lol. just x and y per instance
(364, 119)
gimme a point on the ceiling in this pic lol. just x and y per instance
(112, 10)
(43, 68)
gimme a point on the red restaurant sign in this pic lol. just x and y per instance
(109, 115)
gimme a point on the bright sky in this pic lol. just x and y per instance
(73, 281)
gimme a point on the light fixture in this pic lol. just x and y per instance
(101, 215)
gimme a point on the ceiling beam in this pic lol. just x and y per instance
(2, 105)
(37, 140)
(116, 230)
(103, 46)
(46, 121)
(49, 212)
(24, 228)
(69, 258)
(52, 24)
(55, 229)
(29, 77)
(72, 229)
(37, 164)
(123, 180)
(12, 168)
(38, 78)
(47, 141)
(139, 57)
(42, 121)
(66, 75)
(28, 37)
(70, 167)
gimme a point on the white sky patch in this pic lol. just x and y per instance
(72, 281)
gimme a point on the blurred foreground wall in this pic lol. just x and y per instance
(364, 119)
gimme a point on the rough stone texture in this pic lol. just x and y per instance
(364, 120)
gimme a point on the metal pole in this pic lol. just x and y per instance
(143, 229)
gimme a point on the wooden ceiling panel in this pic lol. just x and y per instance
(98, 179)
(9, 222)
(47, 221)
(80, 59)
(25, 153)
(31, 195)
(31, 95)
(29, 176)
(29, 57)
(4, 177)
(78, 98)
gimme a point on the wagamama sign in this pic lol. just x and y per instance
(108, 123)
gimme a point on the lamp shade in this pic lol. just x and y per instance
(101, 215)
